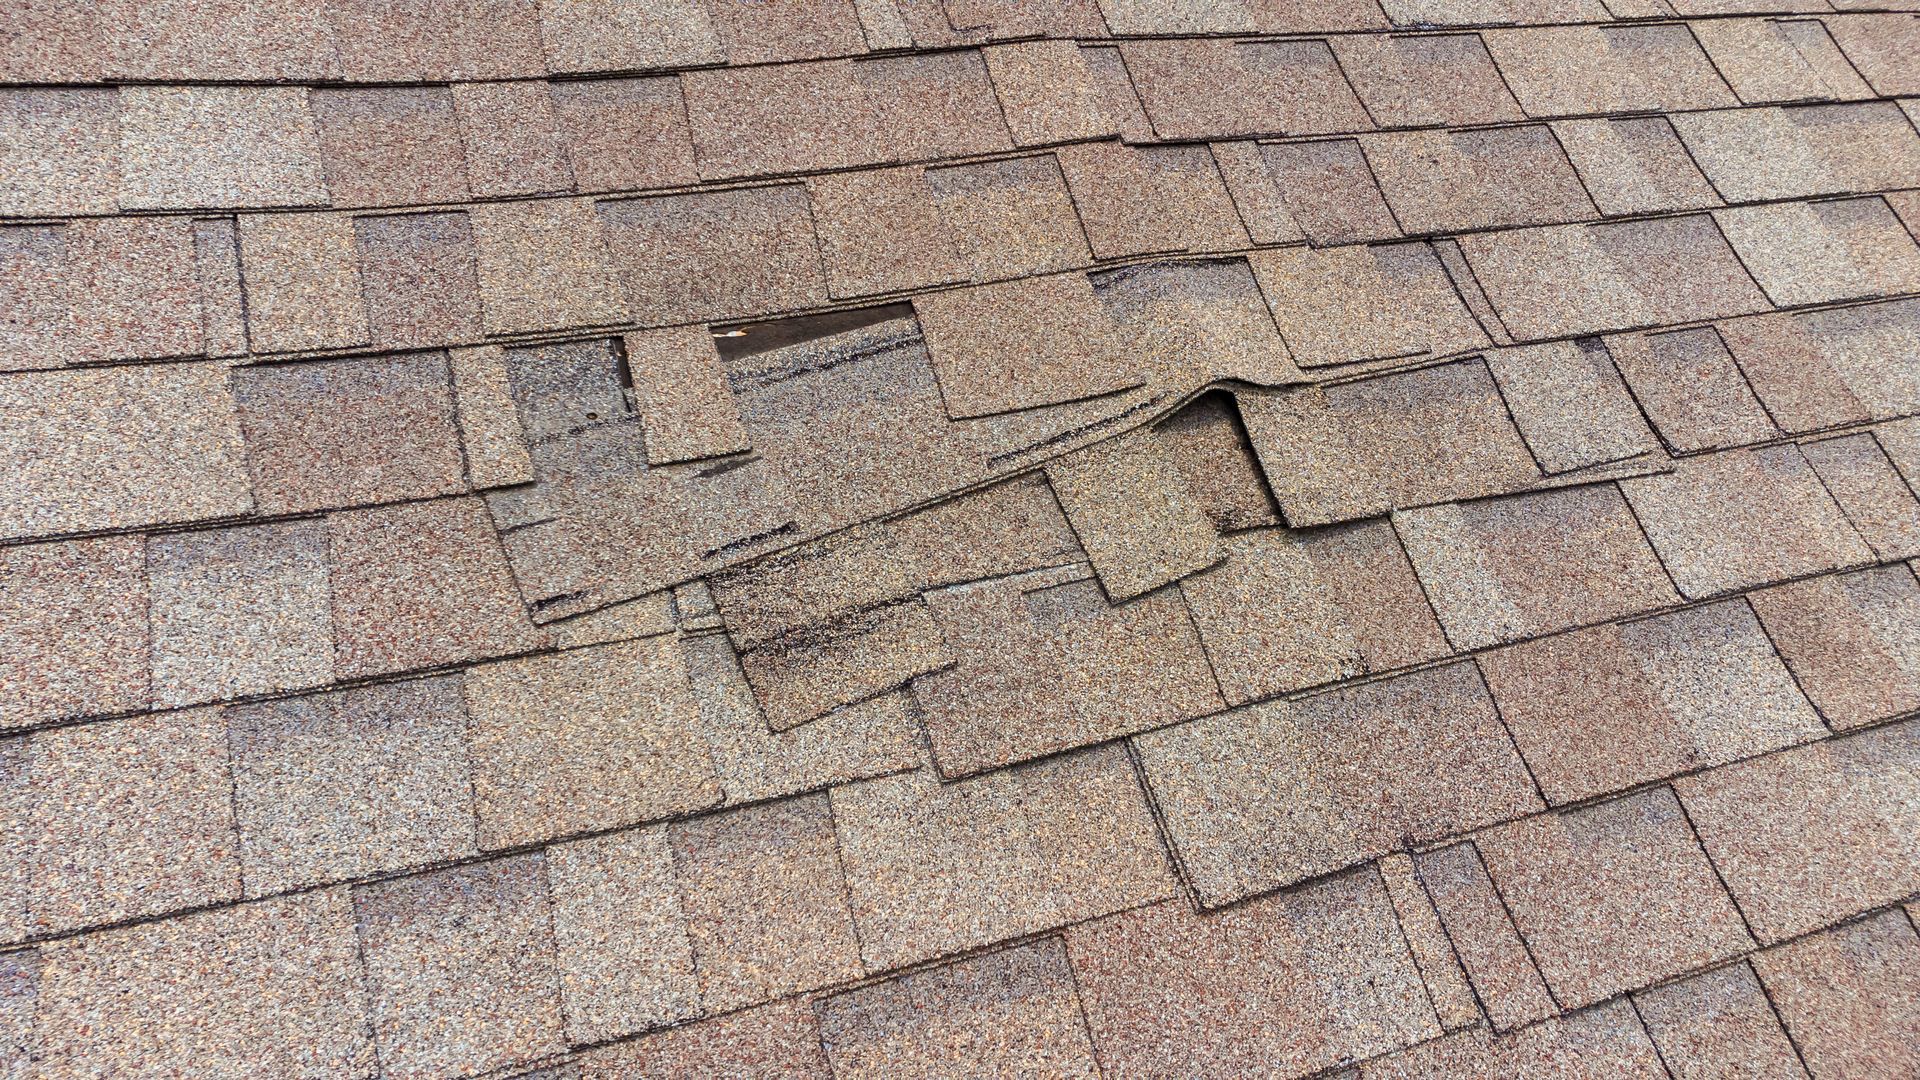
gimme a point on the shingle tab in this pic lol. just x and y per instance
(205, 146)
(1578, 70)
(59, 151)
(303, 282)
(1486, 178)
(512, 138)
(1827, 368)
(715, 255)
(1011, 217)
(780, 1041)
(1767, 60)
(623, 134)
(1880, 47)
(1603, 1043)
(1188, 323)
(882, 231)
(1718, 1024)
(1634, 165)
(390, 145)
(1350, 304)
(73, 629)
(1419, 81)
(1852, 641)
(1195, 88)
(781, 119)
(1020, 344)
(1691, 389)
(1138, 201)
(583, 35)
(1848, 996)
(1504, 975)
(1139, 524)
(1328, 191)
(620, 935)
(1047, 93)
(1870, 491)
(1820, 252)
(543, 266)
(1808, 150)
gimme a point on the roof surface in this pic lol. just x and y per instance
(672, 538)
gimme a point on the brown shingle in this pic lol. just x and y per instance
(1152, 199)
(1139, 524)
(1570, 405)
(1265, 209)
(1489, 178)
(881, 231)
(1328, 191)
(544, 266)
(1852, 641)
(1634, 165)
(1716, 1025)
(496, 448)
(1440, 969)
(1208, 444)
(460, 967)
(513, 140)
(135, 286)
(73, 629)
(715, 254)
(59, 151)
(1020, 344)
(620, 935)
(1876, 500)
(303, 282)
(1424, 13)
(1187, 323)
(1119, 101)
(774, 1042)
(1131, 17)
(1767, 60)
(1504, 975)
(1602, 1043)
(216, 249)
(1417, 81)
(1691, 388)
(1288, 984)
(585, 35)
(622, 134)
(1880, 47)
(781, 119)
(1011, 217)
(419, 278)
(1819, 252)
(204, 146)
(934, 105)
(1827, 368)
(1011, 1013)
(475, 39)
(232, 40)
(1364, 303)
(40, 330)
(1575, 70)
(1274, 794)
(1808, 150)
(686, 408)
(787, 30)
(1196, 88)
(390, 145)
(1048, 93)
(827, 666)
(1850, 997)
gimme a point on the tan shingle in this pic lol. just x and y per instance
(933, 105)
(1852, 641)
(1011, 217)
(512, 137)
(1820, 252)
(1691, 388)
(715, 255)
(419, 277)
(1364, 303)
(40, 330)
(1329, 193)
(881, 231)
(1152, 199)
(59, 151)
(1188, 323)
(1570, 405)
(1873, 495)
(780, 1041)
(1767, 60)
(390, 145)
(1136, 519)
(1717, 1024)
(543, 266)
(303, 282)
(781, 119)
(1504, 975)
(1810, 150)
(1603, 1043)
(496, 448)
(1634, 165)
(680, 389)
(136, 288)
(1576, 70)
(216, 248)
(1848, 996)
(584, 35)
(1417, 81)
(1881, 48)
(1486, 178)
(1828, 368)
(788, 30)
(620, 935)
(205, 146)
(73, 629)
(1020, 344)
(1048, 93)
(623, 134)
(1196, 88)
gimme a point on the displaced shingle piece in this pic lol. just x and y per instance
(118, 448)
(1827, 368)
(781, 30)
(1881, 48)
(1850, 996)
(1601, 710)
(1741, 518)
(495, 447)
(350, 784)
(1440, 969)
(1810, 150)
(1575, 279)
(766, 902)
(1570, 405)
(1814, 253)
(303, 282)
(1503, 973)
(782, 119)
(1151, 199)
(1876, 500)
(327, 433)
(1809, 836)
(1517, 567)
(216, 249)
(1189, 323)
(1135, 517)
(1328, 191)
(39, 329)
(1852, 641)
(1443, 79)
(1634, 165)
(1716, 1025)
(1768, 60)
(620, 935)
(584, 740)
(136, 288)
(687, 411)
(1577, 70)
(1614, 896)
(59, 151)
(1271, 795)
(1691, 388)
(1021, 344)
(543, 266)
(512, 138)
(1011, 1013)
(1208, 444)
(1196, 88)
(474, 39)
(882, 231)
(1350, 304)
(933, 105)
(130, 818)
(1287, 984)
(774, 1042)
(824, 667)
(460, 967)
(1119, 101)
(1265, 209)
(1047, 93)
(418, 274)
(622, 134)
(1012, 217)
(930, 866)
(239, 611)
(591, 35)
(419, 585)
(1440, 182)
(271, 988)
(73, 629)
(204, 146)
(1603, 1043)
(390, 145)
(715, 255)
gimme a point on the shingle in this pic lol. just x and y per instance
(1852, 642)
(1043, 662)
(1446, 981)
(130, 818)
(1807, 150)
(585, 740)
(1872, 494)
(1577, 70)
(1827, 368)
(884, 25)
(1130, 17)
(1604, 709)
(933, 105)
(461, 968)
(1287, 984)
(1489, 178)
(1901, 441)
(1187, 323)
(135, 288)
(1196, 88)
(1047, 93)
(1505, 978)
(1364, 303)
(1007, 19)
(586, 35)
(788, 30)
(239, 611)
(1691, 389)
(73, 629)
(781, 119)
(1634, 165)
(1139, 524)
(86, 450)
(826, 666)
(1613, 896)
(766, 902)
(715, 254)
(1011, 217)
(346, 432)
(513, 140)
(1850, 997)
(203, 146)
(1328, 191)
(495, 447)
(1417, 81)
(1808, 836)
(40, 329)
(351, 783)
(774, 1042)
(1573, 279)
(1010, 1013)
(1570, 405)
(1602, 1043)
(620, 934)
(1119, 100)
(19, 999)
(1270, 795)
(1880, 47)
(1716, 1025)
(1768, 60)
(622, 134)
(59, 151)
(680, 389)
(1151, 199)
(216, 248)
(881, 231)
(544, 266)
(421, 584)
(236, 40)
(1424, 13)
(1265, 209)
(1208, 444)
(1517, 567)
(1358, 449)
(390, 145)
(474, 39)
(930, 866)
(1020, 344)
(1741, 518)
(1819, 252)
(419, 277)
(303, 282)
(271, 987)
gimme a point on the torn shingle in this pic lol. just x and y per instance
(1047, 93)
(1820, 252)
(620, 935)
(1691, 389)
(1848, 996)
(1634, 165)
(1504, 975)
(73, 629)
(833, 664)
(882, 231)
(687, 411)
(543, 266)
(1349, 304)
(513, 140)
(1020, 344)
(1328, 191)
(1578, 70)
(1717, 1024)
(390, 145)
(1189, 323)
(419, 277)
(715, 255)
(773, 1042)
(1417, 81)
(1195, 88)
(1011, 217)
(1873, 495)
(1150, 199)
(59, 151)
(302, 274)
(1486, 178)
(1851, 640)
(583, 35)
(1136, 520)
(206, 146)
(624, 134)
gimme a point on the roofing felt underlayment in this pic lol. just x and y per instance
(824, 538)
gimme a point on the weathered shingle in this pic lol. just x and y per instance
(581, 35)
(622, 134)
(1020, 344)
(1848, 996)
(1634, 165)
(302, 274)
(1578, 70)
(74, 632)
(1351, 304)
(513, 139)
(620, 935)
(59, 151)
(788, 30)
(715, 255)
(1852, 641)
(543, 265)
(1327, 191)
(1606, 1042)
(1811, 150)
(1717, 1024)
(1870, 491)
(1011, 217)
(1486, 178)
(882, 231)
(1195, 88)
(1047, 93)
(1691, 389)
(780, 1041)
(1827, 368)
(206, 146)
(1505, 978)
(390, 145)
(1419, 81)
(1138, 201)
(1767, 60)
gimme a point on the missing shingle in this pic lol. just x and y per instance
(1209, 445)
(739, 340)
